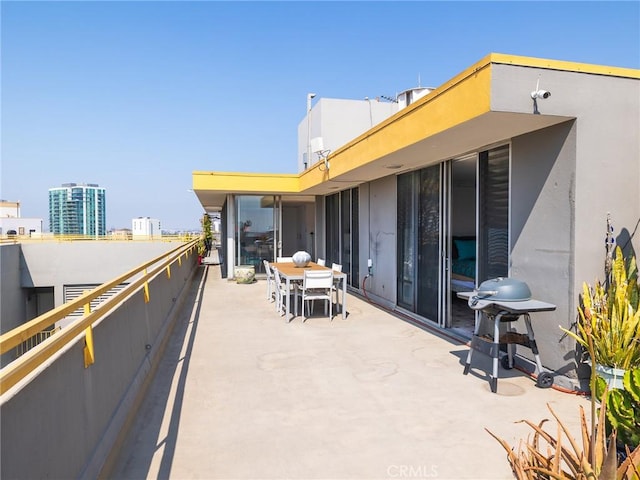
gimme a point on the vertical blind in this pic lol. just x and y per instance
(494, 214)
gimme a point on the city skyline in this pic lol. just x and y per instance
(135, 96)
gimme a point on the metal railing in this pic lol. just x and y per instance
(137, 279)
(34, 341)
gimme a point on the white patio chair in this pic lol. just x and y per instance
(316, 285)
(280, 292)
(322, 262)
(335, 287)
(271, 281)
(285, 260)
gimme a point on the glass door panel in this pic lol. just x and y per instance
(332, 224)
(428, 258)
(406, 241)
(354, 276)
(419, 242)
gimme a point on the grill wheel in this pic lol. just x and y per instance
(545, 380)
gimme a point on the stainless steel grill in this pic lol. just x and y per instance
(503, 301)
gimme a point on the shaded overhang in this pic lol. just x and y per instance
(454, 119)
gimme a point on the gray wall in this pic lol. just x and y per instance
(91, 262)
(78, 413)
(381, 238)
(12, 299)
(607, 150)
(565, 180)
(542, 210)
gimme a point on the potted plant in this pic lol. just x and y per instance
(202, 250)
(610, 317)
(206, 232)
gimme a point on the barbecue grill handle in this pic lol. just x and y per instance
(486, 293)
(480, 294)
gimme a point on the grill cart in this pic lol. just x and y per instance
(504, 300)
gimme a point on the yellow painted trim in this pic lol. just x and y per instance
(238, 182)
(89, 356)
(87, 306)
(145, 288)
(444, 108)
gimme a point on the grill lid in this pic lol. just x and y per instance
(502, 289)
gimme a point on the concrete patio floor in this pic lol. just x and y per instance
(243, 394)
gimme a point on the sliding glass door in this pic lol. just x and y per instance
(342, 233)
(257, 230)
(419, 242)
(452, 233)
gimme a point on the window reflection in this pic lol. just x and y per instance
(254, 231)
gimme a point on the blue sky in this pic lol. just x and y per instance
(135, 96)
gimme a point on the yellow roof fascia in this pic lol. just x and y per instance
(501, 58)
(462, 98)
(239, 182)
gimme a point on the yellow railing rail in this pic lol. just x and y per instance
(27, 363)
(48, 237)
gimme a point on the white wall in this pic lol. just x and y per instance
(9, 209)
(338, 121)
(22, 226)
(145, 227)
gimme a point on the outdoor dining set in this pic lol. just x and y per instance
(305, 284)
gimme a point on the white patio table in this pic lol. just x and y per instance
(290, 273)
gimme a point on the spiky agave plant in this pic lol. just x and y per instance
(560, 456)
(545, 456)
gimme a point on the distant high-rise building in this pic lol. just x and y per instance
(77, 209)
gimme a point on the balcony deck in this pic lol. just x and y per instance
(242, 394)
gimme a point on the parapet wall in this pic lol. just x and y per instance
(63, 421)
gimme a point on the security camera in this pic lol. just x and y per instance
(540, 94)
